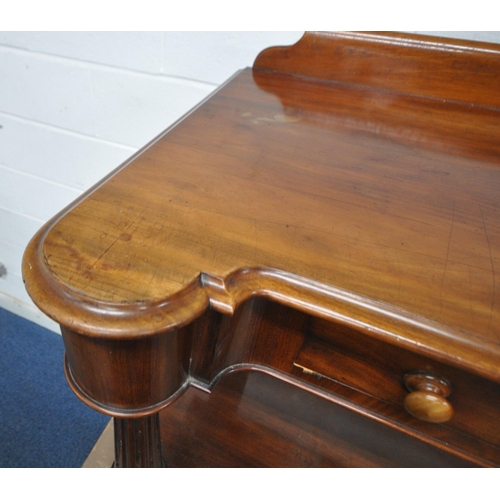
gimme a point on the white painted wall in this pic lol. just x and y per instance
(74, 105)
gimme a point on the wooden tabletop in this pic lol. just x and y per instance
(375, 207)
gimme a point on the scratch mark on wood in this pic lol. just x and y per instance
(447, 256)
(216, 248)
(120, 237)
(371, 224)
(470, 289)
(400, 273)
(227, 180)
(258, 159)
(493, 298)
(292, 246)
(254, 239)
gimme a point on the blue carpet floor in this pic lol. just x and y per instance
(42, 423)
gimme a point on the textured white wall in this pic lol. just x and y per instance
(74, 105)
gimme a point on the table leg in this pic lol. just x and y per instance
(137, 442)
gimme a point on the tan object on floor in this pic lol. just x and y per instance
(102, 455)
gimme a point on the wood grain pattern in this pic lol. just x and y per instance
(137, 442)
(243, 423)
(395, 221)
(362, 370)
(436, 67)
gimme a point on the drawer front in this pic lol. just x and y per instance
(372, 373)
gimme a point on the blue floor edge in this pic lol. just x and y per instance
(43, 423)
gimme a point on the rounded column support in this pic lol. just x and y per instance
(137, 442)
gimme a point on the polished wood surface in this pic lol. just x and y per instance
(341, 194)
(427, 398)
(137, 442)
(397, 221)
(295, 429)
(436, 67)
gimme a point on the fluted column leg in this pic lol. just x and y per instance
(137, 442)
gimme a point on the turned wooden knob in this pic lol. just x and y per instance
(427, 398)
